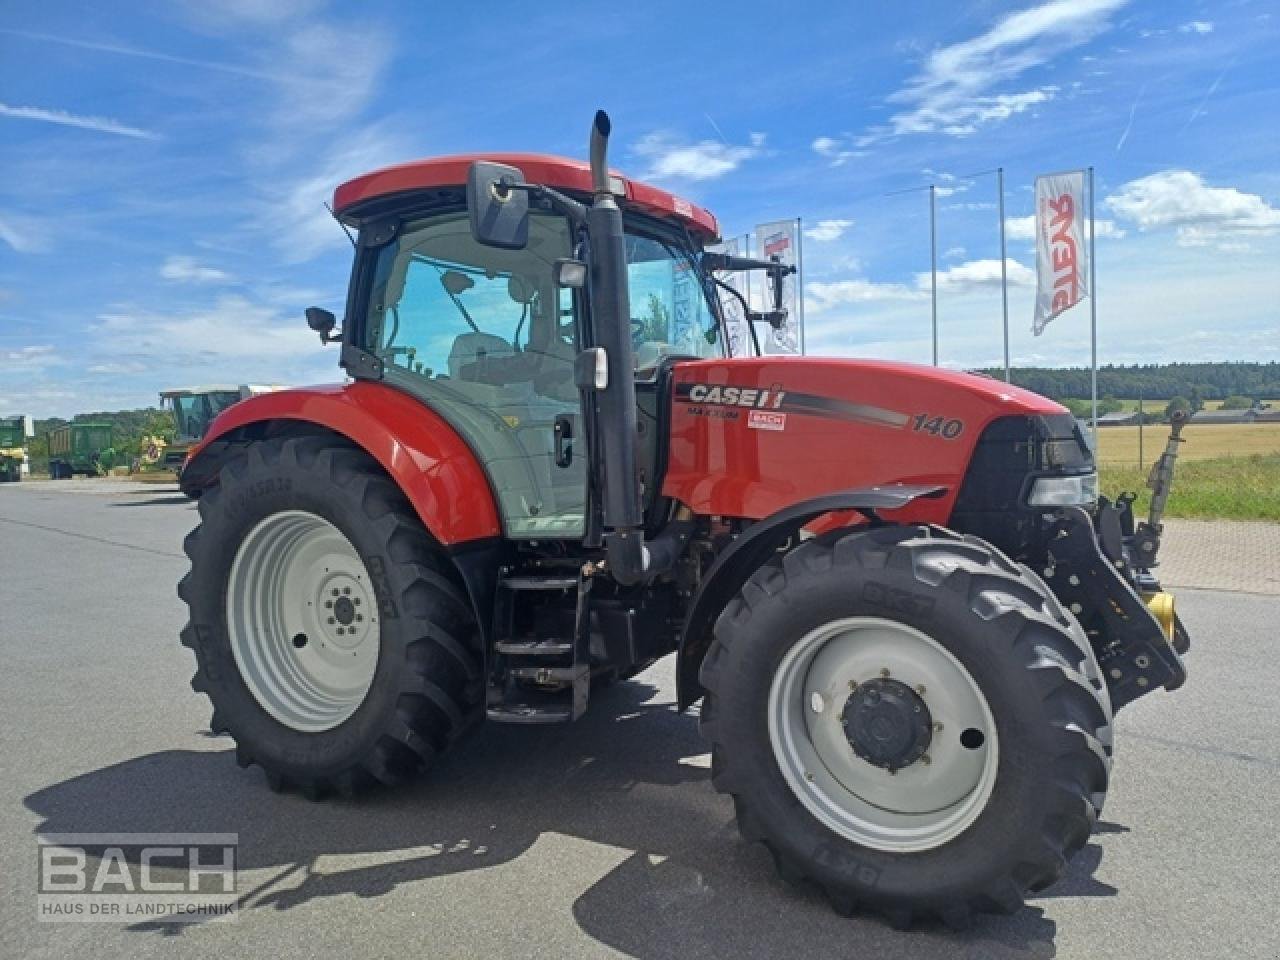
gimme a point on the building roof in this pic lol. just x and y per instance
(1223, 416)
(559, 172)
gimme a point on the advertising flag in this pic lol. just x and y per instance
(735, 320)
(1061, 252)
(781, 239)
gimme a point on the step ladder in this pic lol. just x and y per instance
(534, 678)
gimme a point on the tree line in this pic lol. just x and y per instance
(1196, 382)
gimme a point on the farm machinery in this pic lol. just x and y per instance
(14, 433)
(193, 409)
(905, 612)
(83, 448)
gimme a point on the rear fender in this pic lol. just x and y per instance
(752, 549)
(431, 464)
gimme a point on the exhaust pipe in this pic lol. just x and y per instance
(599, 152)
(629, 558)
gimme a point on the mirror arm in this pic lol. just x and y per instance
(567, 206)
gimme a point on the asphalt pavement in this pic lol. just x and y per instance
(599, 839)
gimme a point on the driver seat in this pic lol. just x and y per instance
(479, 358)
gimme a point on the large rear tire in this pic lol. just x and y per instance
(910, 720)
(331, 632)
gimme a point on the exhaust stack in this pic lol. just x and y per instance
(629, 559)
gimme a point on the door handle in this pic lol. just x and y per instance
(563, 428)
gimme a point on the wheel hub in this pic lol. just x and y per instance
(302, 620)
(887, 724)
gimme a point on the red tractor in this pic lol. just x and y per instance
(905, 609)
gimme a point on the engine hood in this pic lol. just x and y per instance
(753, 435)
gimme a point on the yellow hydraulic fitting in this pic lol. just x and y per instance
(1161, 607)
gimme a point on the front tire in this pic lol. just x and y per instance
(909, 719)
(330, 631)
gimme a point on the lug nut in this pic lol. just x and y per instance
(346, 590)
(329, 604)
(331, 620)
(884, 671)
(925, 759)
(356, 601)
(937, 728)
(920, 689)
(334, 591)
(853, 684)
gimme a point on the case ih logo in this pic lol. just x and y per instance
(1066, 263)
(776, 243)
(734, 396)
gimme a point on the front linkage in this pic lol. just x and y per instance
(1100, 567)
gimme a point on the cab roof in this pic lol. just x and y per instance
(558, 172)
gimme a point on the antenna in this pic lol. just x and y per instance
(350, 235)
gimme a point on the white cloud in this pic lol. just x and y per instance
(825, 231)
(1197, 26)
(330, 74)
(953, 252)
(954, 91)
(824, 296)
(669, 157)
(835, 150)
(1200, 214)
(63, 118)
(300, 226)
(233, 328)
(978, 274)
(189, 270)
(29, 358)
(24, 234)
(1024, 228)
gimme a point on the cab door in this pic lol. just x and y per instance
(483, 337)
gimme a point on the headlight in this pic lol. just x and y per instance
(1076, 491)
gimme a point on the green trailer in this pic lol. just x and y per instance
(86, 448)
(14, 432)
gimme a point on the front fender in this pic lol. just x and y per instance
(751, 550)
(422, 453)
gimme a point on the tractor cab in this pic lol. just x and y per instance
(487, 334)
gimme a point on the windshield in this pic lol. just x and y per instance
(669, 309)
(192, 414)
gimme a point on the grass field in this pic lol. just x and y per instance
(1228, 471)
(1205, 441)
(1235, 488)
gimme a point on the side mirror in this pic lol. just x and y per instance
(499, 212)
(322, 322)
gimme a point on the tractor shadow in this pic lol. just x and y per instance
(632, 775)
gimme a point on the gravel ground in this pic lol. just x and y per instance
(599, 839)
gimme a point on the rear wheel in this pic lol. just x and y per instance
(330, 631)
(909, 719)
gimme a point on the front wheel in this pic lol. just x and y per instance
(330, 631)
(909, 719)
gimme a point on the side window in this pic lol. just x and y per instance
(485, 338)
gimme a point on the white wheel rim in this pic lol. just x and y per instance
(303, 621)
(920, 806)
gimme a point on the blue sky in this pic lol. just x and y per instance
(163, 170)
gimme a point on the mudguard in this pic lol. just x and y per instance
(423, 454)
(752, 549)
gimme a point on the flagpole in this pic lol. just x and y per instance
(1004, 273)
(799, 281)
(1093, 318)
(933, 268)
